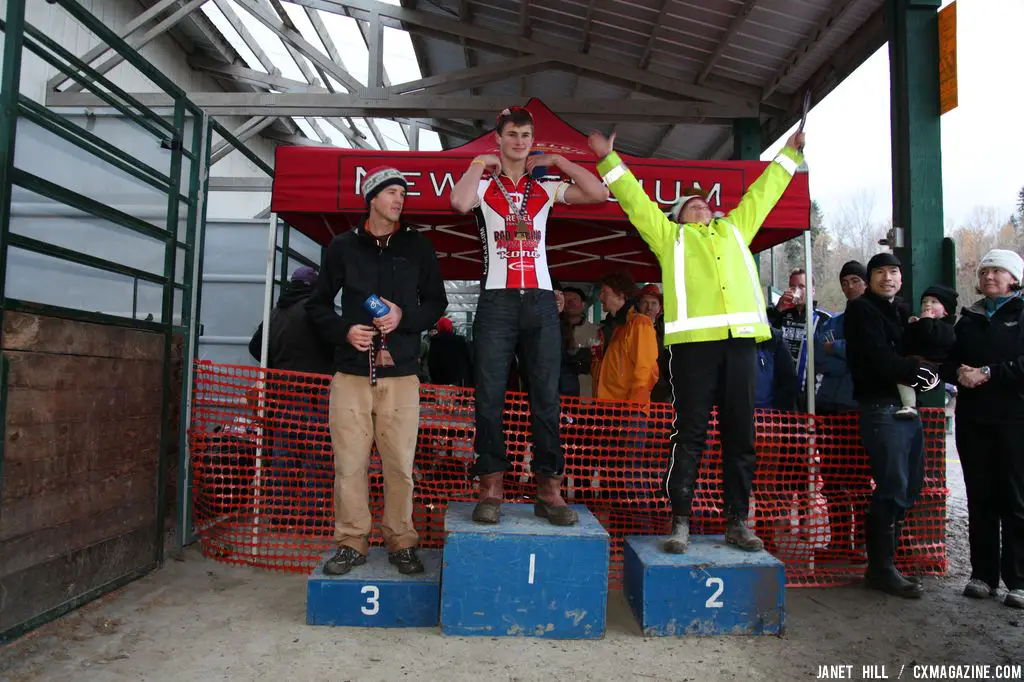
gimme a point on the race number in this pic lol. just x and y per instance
(713, 601)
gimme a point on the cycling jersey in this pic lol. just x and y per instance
(511, 263)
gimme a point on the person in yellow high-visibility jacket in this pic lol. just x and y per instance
(714, 317)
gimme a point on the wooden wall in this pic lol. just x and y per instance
(78, 497)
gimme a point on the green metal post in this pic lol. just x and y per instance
(167, 316)
(9, 86)
(746, 146)
(913, 30)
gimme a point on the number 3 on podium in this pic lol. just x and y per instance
(372, 601)
(713, 601)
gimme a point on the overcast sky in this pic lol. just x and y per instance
(848, 148)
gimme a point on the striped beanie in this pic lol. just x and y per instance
(379, 178)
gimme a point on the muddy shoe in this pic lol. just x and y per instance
(979, 589)
(550, 505)
(342, 562)
(406, 561)
(491, 491)
(887, 579)
(1014, 599)
(738, 533)
(679, 541)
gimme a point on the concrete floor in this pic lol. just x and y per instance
(196, 619)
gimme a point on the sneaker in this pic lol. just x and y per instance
(905, 412)
(406, 561)
(342, 562)
(1015, 599)
(979, 589)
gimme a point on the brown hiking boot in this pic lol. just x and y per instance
(550, 505)
(491, 492)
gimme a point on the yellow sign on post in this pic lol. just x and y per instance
(948, 98)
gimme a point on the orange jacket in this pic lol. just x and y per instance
(629, 368)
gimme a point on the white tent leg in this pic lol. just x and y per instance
(268, 296)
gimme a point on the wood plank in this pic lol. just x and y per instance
(90, 496)
(40, 333)
(81, 404)
(39, 477)
(36, 590)
(71, 440)
(50, 371)
(17, 554)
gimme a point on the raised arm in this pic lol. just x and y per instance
(464, 196)
(587, 188)
(761, 197)
(642, 211)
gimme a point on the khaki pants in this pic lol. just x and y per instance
(387, 413)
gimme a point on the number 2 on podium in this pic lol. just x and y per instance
(713, 602)
(372, 601)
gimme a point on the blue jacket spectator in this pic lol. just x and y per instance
(835, 393)
(776, 387)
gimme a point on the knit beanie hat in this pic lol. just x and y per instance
(379, 178)
(1005, 259)
(853, 267)
(882, 260)
(947, 297)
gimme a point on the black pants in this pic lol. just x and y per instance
(992, 457)
(703, 374)
(529, 317)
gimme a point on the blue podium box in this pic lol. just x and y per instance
(376, 594)
(713, 589)
(524, 577)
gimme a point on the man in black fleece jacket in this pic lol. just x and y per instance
(375, 390)
(875, 324)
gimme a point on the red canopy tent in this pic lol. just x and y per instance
(316, 189)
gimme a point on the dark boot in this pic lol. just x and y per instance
(897, 528)
(550, 505)
(882, 574)
(406, 561)
(679, 541)
(343, 561)
(738, 533)
(488, 506)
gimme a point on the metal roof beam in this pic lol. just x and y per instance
(588, 21)
(101, 49)
(247, 130)
(666, 131)
(734, 26)
(293, 38)
(416, 106)
(138, 42)
(226, 183)
(455, 30)
(247, 38)
(251, 76)
(442, 127)
(807, 45)
(296, 140)
(307, 73)
(465, 79)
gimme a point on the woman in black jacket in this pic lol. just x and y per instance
(988, 363)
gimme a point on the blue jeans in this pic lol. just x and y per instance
(504, 318)
(895, 449)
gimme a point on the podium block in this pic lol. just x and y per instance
(713, 589)
(375, 594)
(524, 577)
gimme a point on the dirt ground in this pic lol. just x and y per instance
(196, 619)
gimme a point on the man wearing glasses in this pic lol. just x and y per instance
(511, 200)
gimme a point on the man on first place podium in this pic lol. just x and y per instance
(714, 317)
(517, 304)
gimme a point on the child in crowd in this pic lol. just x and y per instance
(928, 337)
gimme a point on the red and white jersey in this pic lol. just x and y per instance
(511, 263)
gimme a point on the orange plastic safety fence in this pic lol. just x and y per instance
(263, 475)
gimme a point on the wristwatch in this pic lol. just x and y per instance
(987, 371)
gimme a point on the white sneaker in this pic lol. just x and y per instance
(979, 589)
(905, 412)
(1014, 598)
